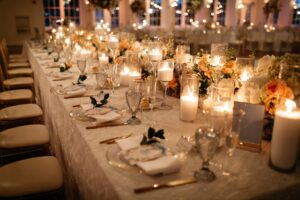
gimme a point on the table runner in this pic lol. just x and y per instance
(88, 175)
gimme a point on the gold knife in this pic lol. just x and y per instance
(107, 125)
(173, 183)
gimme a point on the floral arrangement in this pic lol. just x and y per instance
(138, 6)
(104, 4)
(274, 93)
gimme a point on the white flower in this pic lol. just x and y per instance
(264, 64)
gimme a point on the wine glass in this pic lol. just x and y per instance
(150, 95)
(207, 141)
(133, 99)
(232, 133)
(81, 64)
(165, 74)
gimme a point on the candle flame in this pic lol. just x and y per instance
(216, 61)
(245, 76)
(290, 105)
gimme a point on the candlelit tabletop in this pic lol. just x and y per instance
(88, 174)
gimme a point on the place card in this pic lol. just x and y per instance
(251, 125)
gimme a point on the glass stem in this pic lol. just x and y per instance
(164, 94)
(205, 165)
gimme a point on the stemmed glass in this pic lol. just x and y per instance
(232, 133)
(81, 64)
(165, 74)
(207, 141)
(133, 99)
(151, 84)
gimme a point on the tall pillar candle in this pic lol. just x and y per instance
(188, 107)
(285, 138)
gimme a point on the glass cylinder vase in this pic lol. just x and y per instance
(189, 96)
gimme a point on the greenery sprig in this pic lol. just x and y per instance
(152, 136)
(101, 103)
(81, 78)
(64, 68)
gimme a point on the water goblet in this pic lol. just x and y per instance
(207, 141)
(133, 99)
(165, 74)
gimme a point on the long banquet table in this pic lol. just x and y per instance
(88, 175)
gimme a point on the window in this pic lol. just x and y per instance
(178, 13)
(155, 7)
(115, 17)
(51, 11)
(296, 14)
(221, 11)
(99, 15)
(72, 10)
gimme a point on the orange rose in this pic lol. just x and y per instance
(227, 70)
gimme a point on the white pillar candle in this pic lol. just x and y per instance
(165, 74)
(285, 137)
(113, 42)
(188, 107)
(216, 61)
(155, 55)
(124, 76)
(103, 59)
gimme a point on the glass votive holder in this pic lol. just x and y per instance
(245, 68)
(189, 96)
(218, 54)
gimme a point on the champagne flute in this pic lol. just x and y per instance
(81, 64)
(133, 99)
(207, 141)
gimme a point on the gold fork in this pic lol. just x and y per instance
(112, 140)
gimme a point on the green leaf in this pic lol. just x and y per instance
(62, 69)
(152, 141)
(103, 101)
(144, 140)
(106, 96)
(151, 132)
(93, 101)
(160, 134)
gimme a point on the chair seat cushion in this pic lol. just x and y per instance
(23, 111)
(30, 176)
(13, 60)
(24, 136)
(18, 64)
(17, 56)
(20, 71)
(18, 81)
(20, 94)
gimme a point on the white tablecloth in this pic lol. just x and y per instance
(89, 176)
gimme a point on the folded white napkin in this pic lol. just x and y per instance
(62, 76)
(111, 116)
(129, 143)
(86, 106)
(53, 65)
(163, 165)
(75, 93)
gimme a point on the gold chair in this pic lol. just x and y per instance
(15, 83)
(33, 178)
(13, 97)
(13, 57)
(13, 72)
(23, 142)
(17, 63)
(20, 115)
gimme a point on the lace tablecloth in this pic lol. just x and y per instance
(88, 175)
